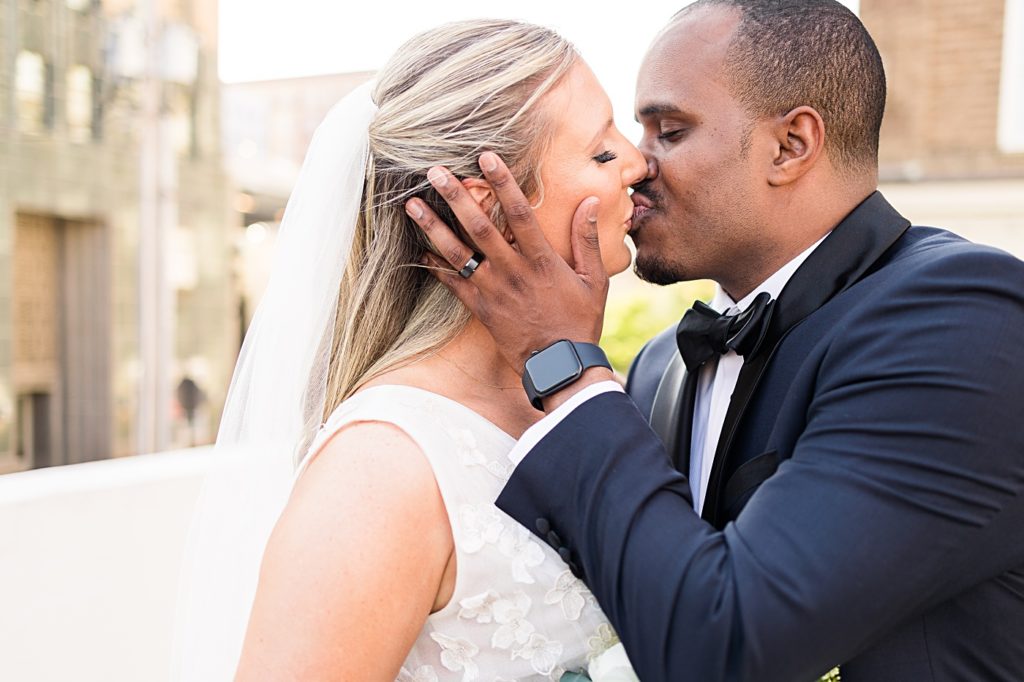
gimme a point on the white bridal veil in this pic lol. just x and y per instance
(276, 400)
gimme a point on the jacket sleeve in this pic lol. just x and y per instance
(906, 487)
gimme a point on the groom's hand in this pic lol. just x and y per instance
(527, 296)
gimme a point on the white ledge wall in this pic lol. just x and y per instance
(89, 558)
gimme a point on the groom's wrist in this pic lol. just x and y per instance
(560, 365)
(591, 376)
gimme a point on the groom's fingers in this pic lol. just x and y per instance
(440, 235)
(586, 247)
(459, 286)
(518, 210)
(476, 223)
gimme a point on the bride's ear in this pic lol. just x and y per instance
(482, 193)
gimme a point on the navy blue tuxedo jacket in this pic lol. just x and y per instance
(868, 494)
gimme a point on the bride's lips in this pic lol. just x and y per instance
(641, 205)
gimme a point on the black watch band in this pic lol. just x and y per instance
(591, 355)
(550, 370)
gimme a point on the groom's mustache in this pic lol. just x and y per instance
(648, 196)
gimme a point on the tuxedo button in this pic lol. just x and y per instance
(554, 540)
(542, 526)
(565, 554)
(574, 568)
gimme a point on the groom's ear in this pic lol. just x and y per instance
(482, 193)
(799, 138)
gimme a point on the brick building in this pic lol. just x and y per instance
(952, 148)
(77, 206)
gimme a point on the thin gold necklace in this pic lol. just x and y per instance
(476, 379)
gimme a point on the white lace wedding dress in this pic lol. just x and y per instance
(517, 613)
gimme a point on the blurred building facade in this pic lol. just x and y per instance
(952, 147)
(267, 127)
(114, 230)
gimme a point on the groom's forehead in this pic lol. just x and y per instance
(686, 59)
(697, 42)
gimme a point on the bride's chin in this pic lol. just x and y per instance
(619, 261)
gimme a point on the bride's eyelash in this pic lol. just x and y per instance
(606, 156)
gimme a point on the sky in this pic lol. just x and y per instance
(278, 39)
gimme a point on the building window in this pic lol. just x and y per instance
(31, 86)
(1011, 90)
(79, 103)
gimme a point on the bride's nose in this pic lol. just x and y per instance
(634, 168)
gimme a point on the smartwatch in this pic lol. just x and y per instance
(552, 369)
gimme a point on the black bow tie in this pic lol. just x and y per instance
(704, 333)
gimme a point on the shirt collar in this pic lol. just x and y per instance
(774, 285)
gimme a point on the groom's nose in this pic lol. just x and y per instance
(652, 167)
(648, 146)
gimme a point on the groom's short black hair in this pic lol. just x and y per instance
(789, 53)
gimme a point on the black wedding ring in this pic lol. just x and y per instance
(471, 265)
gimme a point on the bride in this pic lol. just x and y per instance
(393, 407)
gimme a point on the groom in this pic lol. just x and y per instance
(844, 476)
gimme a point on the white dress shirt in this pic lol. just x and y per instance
(714, 390)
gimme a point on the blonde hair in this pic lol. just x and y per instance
(445, 97)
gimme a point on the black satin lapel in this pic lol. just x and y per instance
(684, 436)
(672, 412)
(666, 409)
(853, 247)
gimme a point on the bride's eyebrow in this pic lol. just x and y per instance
(600, 133)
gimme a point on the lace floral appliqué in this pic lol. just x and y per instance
(472, 455)
(570, 594)
(425, 673)
(602, 641)
(480, 524)
(510, 614)
(479, 607)
(542, 653)
(524, 553)
(458, 654)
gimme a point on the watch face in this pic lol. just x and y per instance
(553, 367)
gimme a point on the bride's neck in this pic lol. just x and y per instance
(474, 353)
(470, 370)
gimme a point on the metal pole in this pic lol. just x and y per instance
(149, 234)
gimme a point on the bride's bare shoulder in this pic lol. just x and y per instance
(358, 556)
(368, 459)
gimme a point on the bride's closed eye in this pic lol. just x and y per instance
(606, 156)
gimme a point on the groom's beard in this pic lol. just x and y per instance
(650, 265)
(655, 270)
